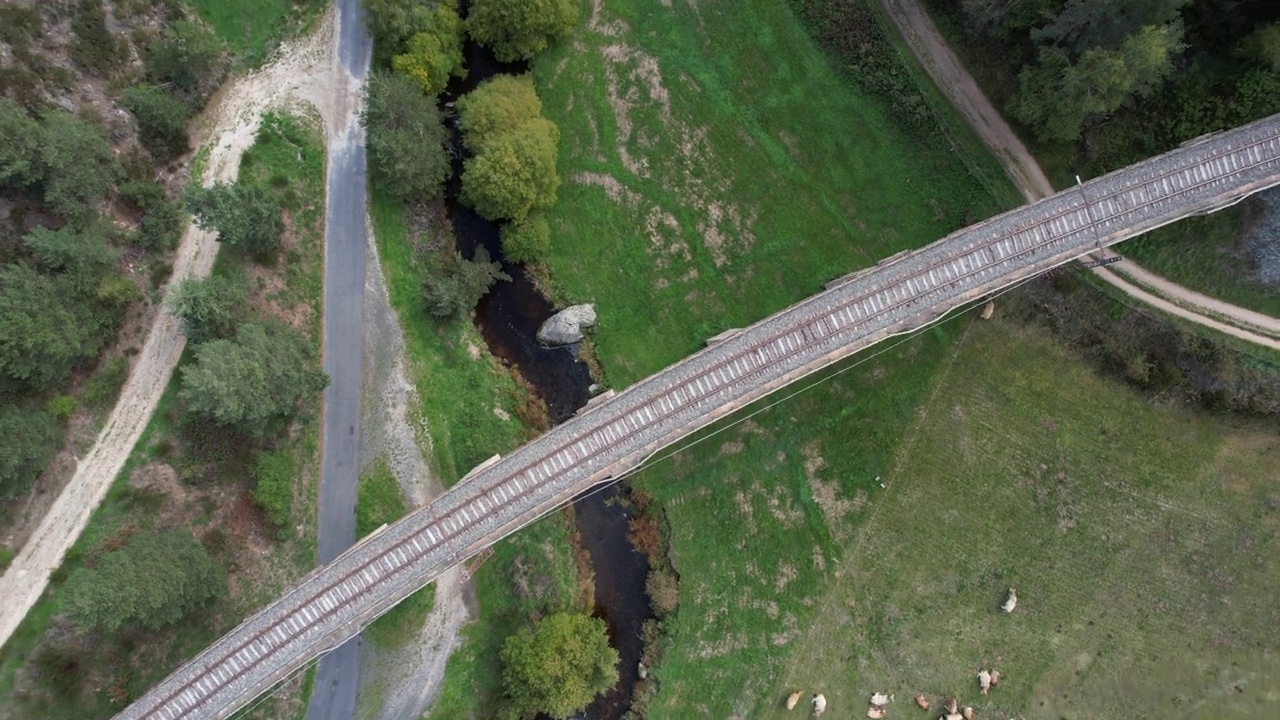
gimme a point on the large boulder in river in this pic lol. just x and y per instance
(566, 326)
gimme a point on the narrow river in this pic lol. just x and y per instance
(508, 318)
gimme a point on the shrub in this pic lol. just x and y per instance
(28, 439)
(210, 308)
(162, 219)
(527, 241)
(275, 473)
(20, 140)
(188, 55)
(162, 120)
(454, 286)
(62, 406)
(79, 165)
(101, 390)
(244, 216)
(663, 589)
(94, 47)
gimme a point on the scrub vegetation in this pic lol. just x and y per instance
(231, 504)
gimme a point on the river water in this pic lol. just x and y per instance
(509, 318)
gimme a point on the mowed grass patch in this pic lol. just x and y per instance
(1142, 540)
(760, 513)
(717, 169)
(1208, 254)
(251, 27)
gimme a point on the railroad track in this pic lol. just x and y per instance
(337, 600)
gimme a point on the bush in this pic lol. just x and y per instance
(94, 48)
(210, 308)
(29, 437)
(162, 219)
(520, 29)
(560, 666)
(663, 589)
(188, 55)
(527, 241)
(79, 164)
(162, 120)
(20, 140)
(406, 139)
(275, 473)
(101, 390)
(454, 286)
(62, 406)
(245, 216)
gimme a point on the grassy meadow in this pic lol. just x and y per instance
(716, 168)
(1142, 539)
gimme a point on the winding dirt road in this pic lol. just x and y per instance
(931, 50)
(299, 76)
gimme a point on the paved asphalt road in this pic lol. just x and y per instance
(334, 695)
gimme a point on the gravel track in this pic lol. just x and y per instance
(951, 77)
(298, 78)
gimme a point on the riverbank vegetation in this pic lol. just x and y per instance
(232, 501)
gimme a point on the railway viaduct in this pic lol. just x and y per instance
(898, 295)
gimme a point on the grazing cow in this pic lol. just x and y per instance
(953, 712)
(1010, 602)
(984, 681)
(968, 713)
(819, 704)
(793, 699)
(875, 712)
(922, 701)
(880, 699)
(995, 678)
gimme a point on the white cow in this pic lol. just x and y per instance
(819, 704)
(1010, 602)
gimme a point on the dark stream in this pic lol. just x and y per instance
(508, 318)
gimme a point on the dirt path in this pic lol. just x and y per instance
(301, 76)
(929, 47)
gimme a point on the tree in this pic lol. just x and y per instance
(392, 22)
(434, 54)
(499, 105)
(28, 439)
(154, 581)
(210, 308)
(527, 241)
(79, 165)
(21, 138)
(514, 173)
(83, 257)
(560, 666)
(43, 328)
(254, 382)
(162, 220)
(1057, 97)
(244, 216)
(520, 29)
(1262, 45)
(188, 55)
(454, 286)
(406, 138)
(162, 120)
(1082, 25)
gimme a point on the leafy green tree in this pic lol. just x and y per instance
(514, 173)
(560, 666)
(1057, 97)
(210, 308)
(454, 286)
(254, 382)
(406, 138)
(162, 219)
(154, 581)
(28, 439)
(520, 29)
(527, 241)
(392, 22)
(21, 138)
(45, 329)
(189, 55)
(79, 165)
(244, 216)
(162, 120)
(434, 55)
(499, 105)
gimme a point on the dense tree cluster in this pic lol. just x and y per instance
(406, 138)
(513, 171)
(520, 29)
(154, 581)
(253, 382)
(559, 667)
(1169, 70)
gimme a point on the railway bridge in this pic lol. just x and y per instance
(899, 295)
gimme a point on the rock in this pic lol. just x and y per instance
(566, 326)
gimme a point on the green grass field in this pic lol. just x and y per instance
(717, 169)
(1142, 539)
(251, 27)
(210, 490)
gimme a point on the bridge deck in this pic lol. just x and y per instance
(901, 294)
